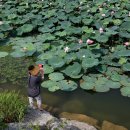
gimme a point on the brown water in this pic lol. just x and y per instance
(109, 106)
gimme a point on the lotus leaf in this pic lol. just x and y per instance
(56, 62)
(89, 62)
(3, 54)
(46, 56)
(61, 34)
(126, 67)
(73, 70)
(87, 85)
(51, 85)
(24, 29)
(112, 84)
(122, 60)
(1, 35)
(101, 88)
(116, 77)
(48, 69)
(125, 91)
(101, 68)
(5, 27)
(17, 54)
(67, 85)
(60, 53)
(125, 26)
(44, 29)
(56, 76)
(70, 57)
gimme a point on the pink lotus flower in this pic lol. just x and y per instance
(89, 41)
(80, 41)
(127, 43)
(101, 30)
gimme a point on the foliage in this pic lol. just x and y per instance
(74, 38)
(12, 106)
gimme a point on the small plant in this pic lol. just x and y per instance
(12, 106)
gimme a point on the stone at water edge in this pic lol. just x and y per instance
(110, 126)
(79, 117)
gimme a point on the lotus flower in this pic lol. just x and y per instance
(24, 49)
(1, 22)
(127, 43)
(80, 41)
(66, 49)
(129, 14)
(103, 15)
(112, 12)
(83, 56)
(100, 9)
(101, 30)
(89, 41)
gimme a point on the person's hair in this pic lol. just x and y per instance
(31, 67)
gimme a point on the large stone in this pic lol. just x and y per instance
(79, 117)
(110, 126)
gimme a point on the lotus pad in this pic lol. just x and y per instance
(67, 85)
(3, 54)
(125, 91)
(87, 85)
(56, 76)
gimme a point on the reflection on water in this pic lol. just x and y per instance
(109, 106)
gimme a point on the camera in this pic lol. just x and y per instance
(40, 65)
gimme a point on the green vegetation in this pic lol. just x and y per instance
(12, 107)
(75, 40)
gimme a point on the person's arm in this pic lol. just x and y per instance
(42, 72)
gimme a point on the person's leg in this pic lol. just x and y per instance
(31, 102)
(39, 102)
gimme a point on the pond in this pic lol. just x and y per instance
(109, 106)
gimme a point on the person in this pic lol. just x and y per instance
(36, 75)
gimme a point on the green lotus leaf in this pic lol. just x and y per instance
(44, 29)
(25, 29)
(48, 69)
(61, 34)
(87, 85)
(46, 56)
(70, 57)
(102, 38)
(125, 81)
(124, 34)
(3, 54)
(45, 46)
(122, 60)
(101, 81)
(87, 21)
(125, 26)
(73, 70)
(126, 67)
(65, 24)
(125, 91)
(89, 62)
(5, 27)
(101, 88)
(61, 53)
(88, 78)
(122, 53)
(75, 19)
(101, 68)
(51, 85)
(67, 85)
(112, 84)
(17, 54)
(1, 35)
(115, 77)
(56, 62)
(56, 76)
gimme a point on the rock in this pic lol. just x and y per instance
(110, 126)
(64, 124)
(79, 117)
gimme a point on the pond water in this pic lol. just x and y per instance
(109, 106)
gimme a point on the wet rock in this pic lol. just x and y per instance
(110, 126)
(79, 117)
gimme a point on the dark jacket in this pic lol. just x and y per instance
(34, 85)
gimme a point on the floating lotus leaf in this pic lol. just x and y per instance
(126, 67)
(44, 29)
(102, 38)
(89, 79)
(3, 54)
(5, 27)
(24, 29)
(61, 53)
(122, 60)
(45, 46)
(46, 56)
(1, 35)
(122, 53)
(89, 62)
(125, 81)
(125, 26)
(125, 91)
(112, 84)
(56, 76)
(101, 68)
(61, 34)
(48, 69)
(56, 62)
(116, 77)
(101, 88)
(73, 70)
(17, 54)
(51, 85)
(87, 85)
(70, 57)
(67, 85)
